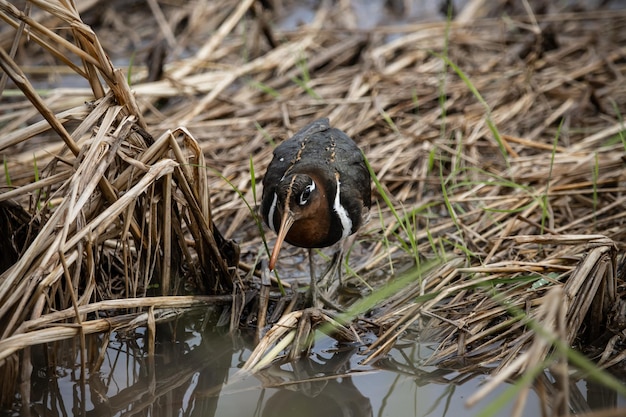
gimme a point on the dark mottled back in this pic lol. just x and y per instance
(325, 154)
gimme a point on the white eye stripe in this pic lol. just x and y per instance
(344, 217)
(307, 190)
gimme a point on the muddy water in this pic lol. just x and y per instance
(191, 371)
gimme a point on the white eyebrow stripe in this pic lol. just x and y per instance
(270, 215)
(342, 213)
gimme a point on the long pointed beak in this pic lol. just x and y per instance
(285, 224)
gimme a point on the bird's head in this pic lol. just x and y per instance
(300, 206)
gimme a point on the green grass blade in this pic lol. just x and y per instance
(264, 87)
(492, 127)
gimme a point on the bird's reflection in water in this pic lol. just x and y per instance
(316, 386)
(339, 397)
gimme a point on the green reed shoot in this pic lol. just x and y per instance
(403, 221)
(490, 124)
(306, 79)
(257, 219)
(265, 88)
(545, 203)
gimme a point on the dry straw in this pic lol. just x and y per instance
(499, 144)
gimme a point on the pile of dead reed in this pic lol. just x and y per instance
(498, 145)
(113, 212)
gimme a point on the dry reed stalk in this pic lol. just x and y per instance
(510, 215)
(115, 209)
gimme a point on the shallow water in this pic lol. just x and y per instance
(195, 372)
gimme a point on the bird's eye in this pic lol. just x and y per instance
(304, 197)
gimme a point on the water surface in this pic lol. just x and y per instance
(194, 370)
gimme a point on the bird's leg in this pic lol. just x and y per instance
(313, 287)
(333, 270)
(327, 287)
(317, 297)
(324, 289)
(327, 280)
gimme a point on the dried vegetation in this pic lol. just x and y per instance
(499, 142)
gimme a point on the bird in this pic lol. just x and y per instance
(316, 191)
